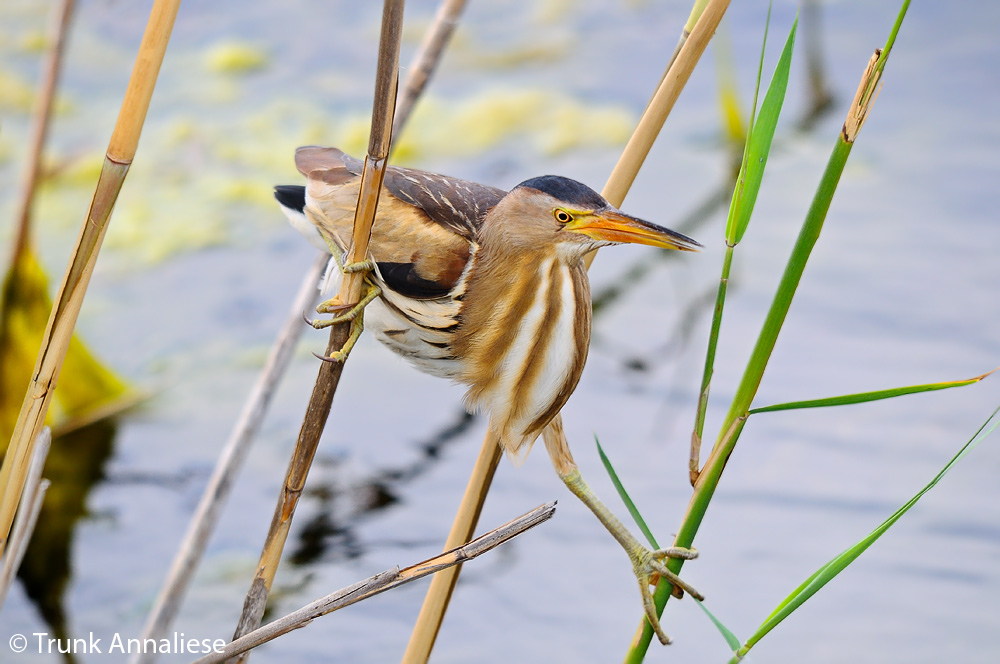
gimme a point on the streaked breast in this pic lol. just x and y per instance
(524, 351)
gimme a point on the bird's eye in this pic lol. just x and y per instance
(562, 216)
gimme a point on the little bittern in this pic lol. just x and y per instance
(487, 288)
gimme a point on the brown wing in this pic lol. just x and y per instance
(459, 205)
(424, 226)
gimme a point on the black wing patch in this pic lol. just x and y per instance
(291, 196)
(403, 278)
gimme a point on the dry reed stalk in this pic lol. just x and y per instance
(69, 298)
(40, 131)
(321, 399)
(652, 120)
(217, 490)
(696, 11)
(381, 582)
(27, 514)
(428, 623)
(435, 604)
(230, 461)
(426, 60)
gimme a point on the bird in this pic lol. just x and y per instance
(487, 288)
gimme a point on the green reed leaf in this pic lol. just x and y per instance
(632, 509)
(830, 570)
(863, 397)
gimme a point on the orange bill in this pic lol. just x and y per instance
(611, 225)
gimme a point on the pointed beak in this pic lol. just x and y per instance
(611, 225)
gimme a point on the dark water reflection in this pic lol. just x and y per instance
(74, 466)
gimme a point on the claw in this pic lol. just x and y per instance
(335, 357)
(340, 355)
(332, 306)
(648, 565)
(650, 609)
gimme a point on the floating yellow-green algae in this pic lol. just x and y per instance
(16, 93)
(468, 126)
(235, 58)
(33, 41)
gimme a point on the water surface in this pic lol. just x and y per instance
(199, 270)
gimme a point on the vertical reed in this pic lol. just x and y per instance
(739, 409)
(27, 515)
(325, 387)
(435, 604)
(40, 131)
(69, 298)
(237, 446)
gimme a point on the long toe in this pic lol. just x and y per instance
(650, 610)
(675, 581)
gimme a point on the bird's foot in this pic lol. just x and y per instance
(335, 306)
(649, 566)
(360, 266)
(354, 314)
(357, 326)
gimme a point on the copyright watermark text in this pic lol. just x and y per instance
(177, 643)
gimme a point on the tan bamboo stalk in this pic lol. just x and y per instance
(217, 490)
(428, 623)
(27, 515)
(40, 131)
(381, 582)
(69, 298)
(426, 60)
(435, 604)
(350, 292)
(696, 10)
(230, 461)
(652, 120)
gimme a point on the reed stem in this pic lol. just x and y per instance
(738, 413)
(27, 514)
(40, 130)
(69, 298)
(321, 400)
(435, 604)
(379, 583)
(426, 60)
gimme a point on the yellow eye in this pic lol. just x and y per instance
(562, 216)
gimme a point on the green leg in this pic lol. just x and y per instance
(645, 562)
(341, 256)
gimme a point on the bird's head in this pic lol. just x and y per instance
(555, 211)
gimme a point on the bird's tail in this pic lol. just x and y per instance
(292, 199)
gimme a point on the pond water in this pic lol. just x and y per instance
(199, 270)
